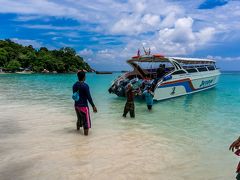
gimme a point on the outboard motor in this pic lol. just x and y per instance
(110, 90)
(118, 87)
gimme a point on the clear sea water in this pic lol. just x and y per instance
(182, 138)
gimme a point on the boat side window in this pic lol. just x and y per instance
(193, 70)
(179, 72)
(211, 68)
(201, 69)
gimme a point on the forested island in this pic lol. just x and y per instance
(16, 57)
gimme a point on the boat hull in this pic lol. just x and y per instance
(186, 84)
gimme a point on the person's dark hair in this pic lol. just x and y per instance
(81, 75)
(162, 66)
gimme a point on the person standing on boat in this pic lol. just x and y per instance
(148, 95)
(235, 146)
(161, 71)
(129, 106)
(81, 105)
(160, 74)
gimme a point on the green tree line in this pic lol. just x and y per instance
(14, 56)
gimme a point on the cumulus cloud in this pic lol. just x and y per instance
(180, 33)
(136, 24)
(181, 39)
(127, 25)
(140, 6)
(151, 19)
(205, 35)
(169, 20)
(178, 40)
(145, 16)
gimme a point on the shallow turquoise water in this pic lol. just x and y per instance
(197, 128)
(219, 105)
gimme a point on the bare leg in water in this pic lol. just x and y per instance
(85, 132)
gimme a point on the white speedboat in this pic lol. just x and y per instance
(181, 76)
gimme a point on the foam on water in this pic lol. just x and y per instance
(182, 138)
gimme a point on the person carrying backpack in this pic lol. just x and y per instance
(81, 95)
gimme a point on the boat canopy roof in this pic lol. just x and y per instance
(193, 60)
(161, 58)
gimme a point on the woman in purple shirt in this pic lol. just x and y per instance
(81, 106)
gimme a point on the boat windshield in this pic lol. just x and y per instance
(149, 69)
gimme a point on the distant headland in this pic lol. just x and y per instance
(25, 59)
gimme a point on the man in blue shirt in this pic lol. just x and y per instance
(81, 106)
(148, 94)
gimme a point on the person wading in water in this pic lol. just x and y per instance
(148, 95)
(236, 146)
(81, 105)
(129, 106)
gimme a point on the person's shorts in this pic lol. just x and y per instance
(83, 116)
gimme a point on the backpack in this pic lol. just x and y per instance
(76, 96)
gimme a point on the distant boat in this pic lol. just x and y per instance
(103, 72)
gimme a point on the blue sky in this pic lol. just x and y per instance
(107, 32)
